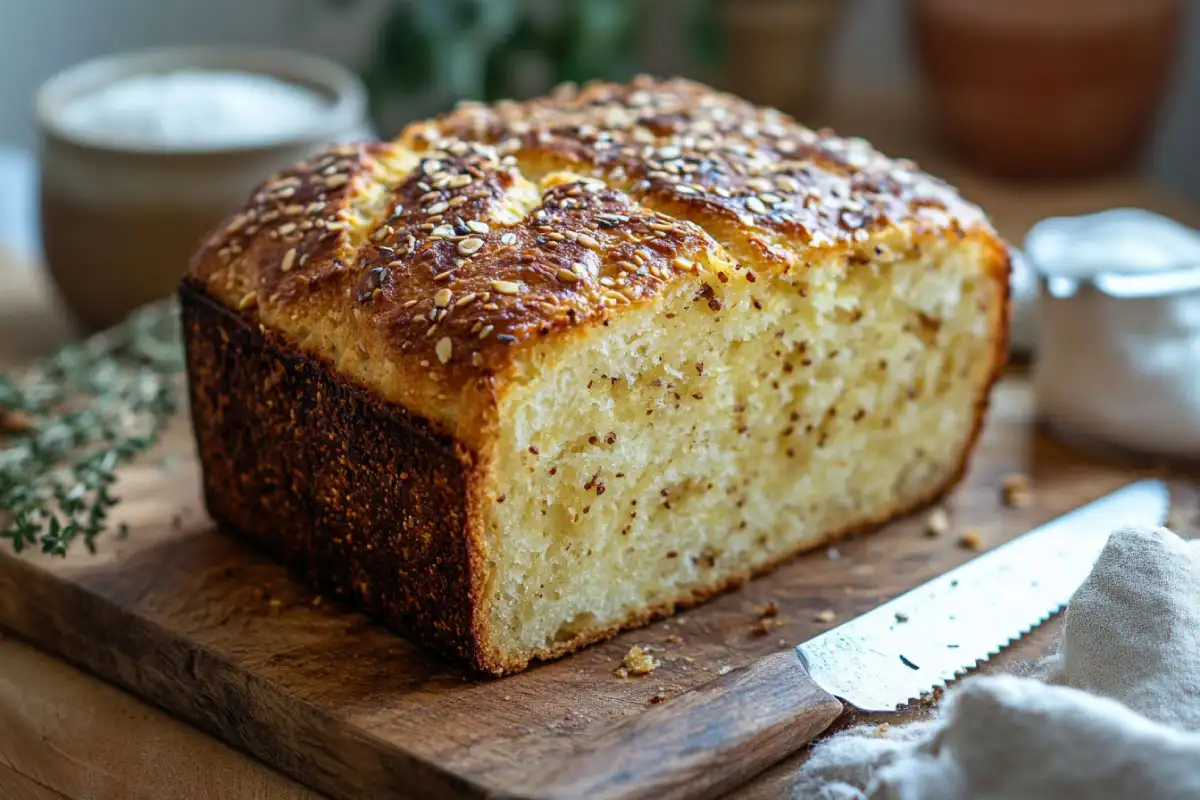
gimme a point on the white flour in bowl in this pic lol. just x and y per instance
(194, 109)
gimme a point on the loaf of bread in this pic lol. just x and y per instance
(535, 372)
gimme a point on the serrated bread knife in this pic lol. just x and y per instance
(715, 737)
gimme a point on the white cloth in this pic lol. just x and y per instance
(1115, 714)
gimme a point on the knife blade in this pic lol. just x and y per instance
(927, 637)
(718, 735)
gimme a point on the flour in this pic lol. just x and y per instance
(1114, 714)
(194, 109)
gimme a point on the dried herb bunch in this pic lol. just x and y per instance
(69, 420)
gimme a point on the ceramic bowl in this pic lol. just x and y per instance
(1046, 89)
(120, 221)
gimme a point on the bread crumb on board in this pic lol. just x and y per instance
(673, 638)
(764, 626)
(770, 609)
(827, 616)
(768, 618)
(971, 539)
(938, 522)
(637, 661)
(1016, 490)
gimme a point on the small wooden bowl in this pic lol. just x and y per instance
(119, 222)
(1046, 88)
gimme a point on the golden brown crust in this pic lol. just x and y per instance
(441, 253)
(349, 332)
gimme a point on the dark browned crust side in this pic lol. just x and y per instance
(355, 495)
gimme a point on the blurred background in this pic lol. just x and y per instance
(1034, 108)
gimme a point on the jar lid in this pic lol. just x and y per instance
(1122, 253)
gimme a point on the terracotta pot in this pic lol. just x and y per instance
(119, 223)
(776, 49)
(1046, 88)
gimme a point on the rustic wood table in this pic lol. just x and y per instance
(66, 734)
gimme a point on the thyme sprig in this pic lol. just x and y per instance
(69, 420)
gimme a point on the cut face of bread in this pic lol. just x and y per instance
(685, 447)
(536, 372)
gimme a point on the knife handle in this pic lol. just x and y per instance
(699, 744)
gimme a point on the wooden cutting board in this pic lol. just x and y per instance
(202, 625)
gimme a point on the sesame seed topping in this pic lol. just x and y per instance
(249, 300)
(662, 139)
(444, 349)
(468, 246)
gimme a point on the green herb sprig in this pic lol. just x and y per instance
(68, 421)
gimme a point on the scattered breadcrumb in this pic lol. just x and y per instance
(508, 697)
(1016, 491)
(971, 539)
(637, 661)
(659, 697)
(826, 616)
(763, 626)
(316, 601)
(938, 522)
(276, 605)
(770, 609)
(673, 639)
(725, 670)
(881, 731)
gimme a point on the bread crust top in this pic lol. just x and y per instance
(424, 267)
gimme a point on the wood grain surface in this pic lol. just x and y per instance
(207, 628)
(709, 740)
